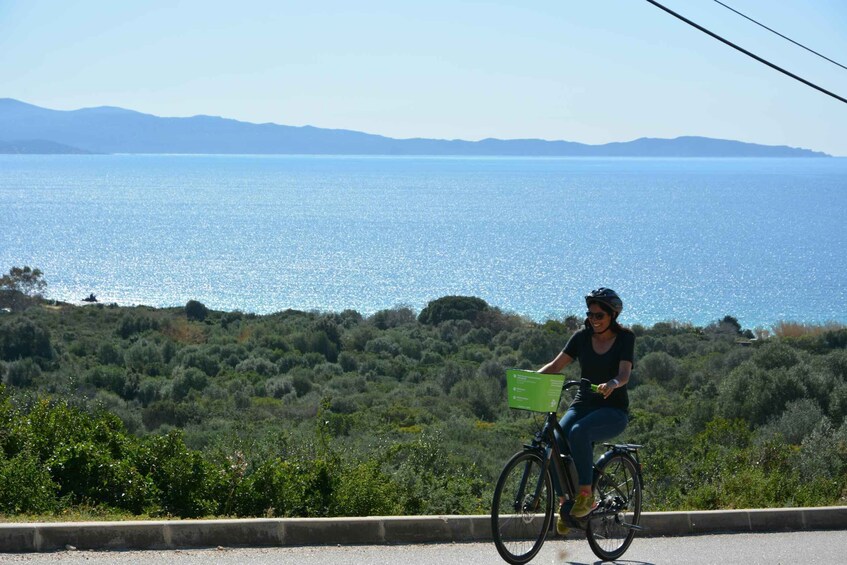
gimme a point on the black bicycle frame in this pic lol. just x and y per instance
(553, 454)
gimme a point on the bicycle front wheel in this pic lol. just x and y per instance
(523, 508)
(611, 526)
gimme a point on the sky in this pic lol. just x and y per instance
(592, 71)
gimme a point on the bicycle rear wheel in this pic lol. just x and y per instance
(522, 509)
(618, 488)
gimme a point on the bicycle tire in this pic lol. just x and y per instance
(522, 509)
(618, 488)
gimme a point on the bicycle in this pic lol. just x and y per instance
(522, 509)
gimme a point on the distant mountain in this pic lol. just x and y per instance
(107, 129)
(38, 146)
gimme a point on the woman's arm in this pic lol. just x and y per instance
(558, 364)
(624, 370)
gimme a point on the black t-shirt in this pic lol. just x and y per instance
(601, 369)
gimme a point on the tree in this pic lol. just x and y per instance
(25, 280)
(195, 310)
(453, 308)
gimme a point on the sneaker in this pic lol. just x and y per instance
(583, 505)
(561, 527)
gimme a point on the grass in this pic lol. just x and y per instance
(90, 514)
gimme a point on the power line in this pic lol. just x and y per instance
(782, 36)
(749, 54)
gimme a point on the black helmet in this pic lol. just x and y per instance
(605, 296)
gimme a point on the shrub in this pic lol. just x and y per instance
(302, 384)
(110, 378)
(382, 346)
(348, 361)
(108, 354)
(277, 387)
(539, 346)
(452, 308)
(482, 394)
(316, 342)
(258, 365)
(385, 319)
(797, 421)
(196, 311)
(823, 452)
(22, 373)
(199, 358)
(144, 357)
(24, 338)
(168, 412)
(289, 488)
(87, 472)
(186, 379)
(185, 480)
(659, 367)
(756, 395)
(775, 354)
(364, 489)
(26, 486)
(132, 323)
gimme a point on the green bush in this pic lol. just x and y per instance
(364, 489)
(21, 373)
(22, 338)
(196, 311)
(144, 357)
(199, 357)
(109, 354)
(111, 378)
(186, 380)
(132, 323)
(88, 473)
(258, 365)
(168, 412)
(185, 480)
(452, 308)
(658, 367)
(288, 488)
(26, 486)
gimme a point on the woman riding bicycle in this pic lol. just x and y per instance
(605, 351)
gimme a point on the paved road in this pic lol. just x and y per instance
(728, 549)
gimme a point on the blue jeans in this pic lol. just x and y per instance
(583, 426)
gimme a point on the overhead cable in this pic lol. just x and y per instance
(748, 53)
(730, 8)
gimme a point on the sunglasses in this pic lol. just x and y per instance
(595, 315)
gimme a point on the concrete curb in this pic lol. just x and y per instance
(181, 534)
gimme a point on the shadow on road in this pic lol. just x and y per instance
(618, 562)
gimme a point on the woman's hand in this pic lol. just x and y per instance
(607, 388)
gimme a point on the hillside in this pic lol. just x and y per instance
(190, 412)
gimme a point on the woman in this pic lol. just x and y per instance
(606, 352)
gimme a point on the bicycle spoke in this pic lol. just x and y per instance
(610, 529)
(522, 509)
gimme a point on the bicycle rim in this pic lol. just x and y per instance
(618, 490)
(522, 509)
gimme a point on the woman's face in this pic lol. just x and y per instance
(598, 318)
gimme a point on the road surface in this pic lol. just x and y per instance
(748, 549)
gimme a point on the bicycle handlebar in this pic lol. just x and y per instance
(581, 382)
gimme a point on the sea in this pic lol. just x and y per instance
(683, 240)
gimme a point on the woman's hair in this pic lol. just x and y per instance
(614, 326)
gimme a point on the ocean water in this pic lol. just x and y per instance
(689, 240)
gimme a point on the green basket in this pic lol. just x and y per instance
(537, 392)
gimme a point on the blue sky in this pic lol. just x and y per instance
(592, 71)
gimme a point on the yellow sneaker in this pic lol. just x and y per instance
(583, 505)
(561, 527)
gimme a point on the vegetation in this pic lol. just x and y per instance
(190, 412)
